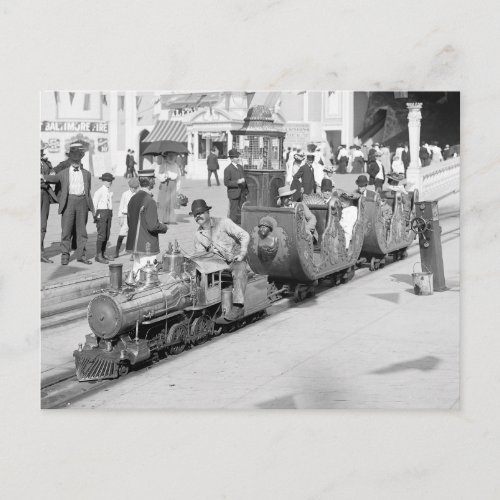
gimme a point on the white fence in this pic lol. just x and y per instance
(440, 179)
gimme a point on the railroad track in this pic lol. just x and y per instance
(62, 390)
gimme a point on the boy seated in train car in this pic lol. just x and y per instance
(386, 211)
(397, 184)
(349, 215)
(285, 195)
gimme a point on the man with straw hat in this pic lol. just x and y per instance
(285, 194)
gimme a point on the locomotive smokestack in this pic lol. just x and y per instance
(115, 276)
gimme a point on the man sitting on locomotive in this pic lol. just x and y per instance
(229, 241)
(349, 216)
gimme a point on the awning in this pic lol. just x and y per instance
(168, 130)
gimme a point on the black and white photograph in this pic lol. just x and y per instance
(250, 249)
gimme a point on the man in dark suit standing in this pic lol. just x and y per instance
(306, 174)
(47, 197)
(75, 203)
(213, 166)
(143, 224)
(237, 189)
(405, 157)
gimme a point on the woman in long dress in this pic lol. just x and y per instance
(169, 178)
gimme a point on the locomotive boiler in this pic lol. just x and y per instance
(169, 306)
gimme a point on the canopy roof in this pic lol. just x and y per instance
(168, 130)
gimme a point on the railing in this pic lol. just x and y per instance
(441, 179)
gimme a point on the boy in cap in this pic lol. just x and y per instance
(103, 205)
(229, 241)
(133, 185)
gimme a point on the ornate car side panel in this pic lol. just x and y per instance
(288, 254)
(379, 240)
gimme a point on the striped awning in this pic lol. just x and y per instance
(167, 130)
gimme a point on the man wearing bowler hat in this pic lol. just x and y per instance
(143, 224)
(305, 174)
(237, 189)
(230, 242)
(75, 203)
(103, 205)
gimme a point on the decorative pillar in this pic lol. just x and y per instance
(414, 172)
(347, 117)
(229, 140)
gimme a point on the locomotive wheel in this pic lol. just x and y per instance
(176, 349)
(382, 263)
(201, 327)
(348, 276)
(372, 264)
(155, 357)
(404, 253)
(123, 369)
(177, 334)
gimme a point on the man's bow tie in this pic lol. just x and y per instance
(76, 169)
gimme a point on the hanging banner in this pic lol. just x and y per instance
(74, 126)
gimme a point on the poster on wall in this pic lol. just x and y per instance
(296, 135)
(102, 144)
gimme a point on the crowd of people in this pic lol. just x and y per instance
(69, 185)
(142, 218)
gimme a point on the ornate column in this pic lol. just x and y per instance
(414, 173)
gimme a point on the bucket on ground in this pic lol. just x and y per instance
(422, 281)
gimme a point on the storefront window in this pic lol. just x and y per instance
(207, 141)
(202, 147)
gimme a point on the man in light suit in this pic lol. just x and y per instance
(75, 203)
(237, 189)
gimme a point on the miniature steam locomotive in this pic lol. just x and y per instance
(171, 306)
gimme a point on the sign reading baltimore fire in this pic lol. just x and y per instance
(74, 126)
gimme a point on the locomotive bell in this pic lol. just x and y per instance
(173, 259)
(149, 275)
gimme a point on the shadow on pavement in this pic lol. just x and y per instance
(391, 297)
(402, 278)
(426, 363)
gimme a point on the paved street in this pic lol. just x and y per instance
(369, 344)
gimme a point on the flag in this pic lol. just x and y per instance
(250, 96)
(104, 99)
(71, 97)
(121, 101)
(57, 98)
(86, 102)
(138, 100)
